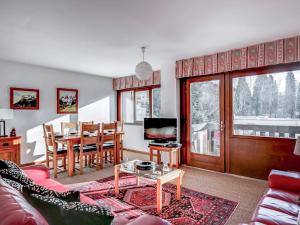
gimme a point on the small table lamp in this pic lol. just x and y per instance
(5, 114)
(297, 146)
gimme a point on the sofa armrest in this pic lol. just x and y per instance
(289, 181)
(37, 172)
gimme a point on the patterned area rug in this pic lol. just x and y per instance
(193, 208)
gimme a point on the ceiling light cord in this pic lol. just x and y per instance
(143, 51)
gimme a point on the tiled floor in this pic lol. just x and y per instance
(246, 192)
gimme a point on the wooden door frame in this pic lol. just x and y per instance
(281, 149)
(229, 106)
(185, 122)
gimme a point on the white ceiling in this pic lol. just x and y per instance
(103, 37)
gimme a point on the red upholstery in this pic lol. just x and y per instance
(289, 181)
(279, 205)
(15, 210)
(37, 172)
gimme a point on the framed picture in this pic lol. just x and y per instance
(24, 99)
(67, 101)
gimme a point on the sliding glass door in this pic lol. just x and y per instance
(205, 120)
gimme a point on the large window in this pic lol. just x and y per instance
(267, 105)
(142, 105)
(128, 106)
(138, 104)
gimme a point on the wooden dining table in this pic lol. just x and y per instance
(72, 140)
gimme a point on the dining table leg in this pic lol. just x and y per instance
(117, 150)
(70, 159)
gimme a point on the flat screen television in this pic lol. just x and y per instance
(160, 129)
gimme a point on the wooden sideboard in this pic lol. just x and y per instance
(10, 148)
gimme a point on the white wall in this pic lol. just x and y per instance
(97, 101)
(134, 134)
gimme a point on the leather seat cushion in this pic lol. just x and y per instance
(284, 180)
(273, 217)
(280, 206)
(283, 195)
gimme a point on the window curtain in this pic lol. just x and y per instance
(127, 82)
(260, 55)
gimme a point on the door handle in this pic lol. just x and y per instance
(222, 126)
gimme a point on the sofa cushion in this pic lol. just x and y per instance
(12, 171)
(15, 210)
(289, 181)
(283, 195)
(280, 206)
(273, 217)
(59, 212)
(69, 196)
(16, 175)
(6, 164)
(37, 172)
(16, 185)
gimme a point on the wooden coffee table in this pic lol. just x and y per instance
(161, 177)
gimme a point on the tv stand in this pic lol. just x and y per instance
(158, 143)
(169, 148)
(165, 144)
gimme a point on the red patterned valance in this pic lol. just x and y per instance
(265, 54)
(122, 83)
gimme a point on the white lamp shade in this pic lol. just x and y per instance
(297, 146)
(6, 114)
(143, 70)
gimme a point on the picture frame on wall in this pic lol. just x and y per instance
(67, 101)
(24, 98)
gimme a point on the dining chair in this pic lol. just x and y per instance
(120, 129)
(108, 141)
(80, 123)
(52, 150)
(68, 125)
(89, 144)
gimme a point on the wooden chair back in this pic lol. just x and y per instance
(68, 125)
(82, 123)
(49, 137)
(108, 132)
(90, 134)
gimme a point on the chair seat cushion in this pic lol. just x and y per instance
(108, 145)
(60, 151)
(87, 148)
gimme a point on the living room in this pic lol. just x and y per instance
(160, 112)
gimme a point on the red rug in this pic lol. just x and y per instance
(193, 208)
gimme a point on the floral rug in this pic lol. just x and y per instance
(132, 201)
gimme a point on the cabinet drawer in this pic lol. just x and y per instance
(7, 144)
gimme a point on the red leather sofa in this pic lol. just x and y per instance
(15, 210)
(280, 204)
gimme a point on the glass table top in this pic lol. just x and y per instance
(157, 171)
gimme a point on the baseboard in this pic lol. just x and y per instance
(137, 151)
